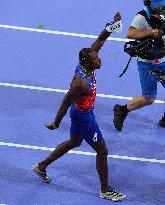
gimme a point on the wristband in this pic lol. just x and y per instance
(114, 27)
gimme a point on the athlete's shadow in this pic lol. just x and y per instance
(80, 180)
(16, 175)
(63, 188)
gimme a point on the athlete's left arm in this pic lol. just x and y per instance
(77, 89)
(110, 28)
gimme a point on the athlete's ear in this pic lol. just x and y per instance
(87, 64)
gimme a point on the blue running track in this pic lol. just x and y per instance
(35, 71)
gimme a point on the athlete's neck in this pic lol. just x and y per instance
(87, 71)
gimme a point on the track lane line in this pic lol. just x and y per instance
(12, 85)
(140, 159)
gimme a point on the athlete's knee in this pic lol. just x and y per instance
(102, 152)
(75, 142)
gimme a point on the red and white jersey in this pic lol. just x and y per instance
(86, 102)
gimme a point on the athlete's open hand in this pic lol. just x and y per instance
(117, 17)
(51, 126)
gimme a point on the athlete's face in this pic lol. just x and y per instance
(94, 60)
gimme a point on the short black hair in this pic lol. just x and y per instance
(147, 2)
(84, 55)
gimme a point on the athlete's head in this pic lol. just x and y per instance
(89, 58)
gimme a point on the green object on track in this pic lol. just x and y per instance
(40, 26)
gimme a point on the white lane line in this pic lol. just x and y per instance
(59, 33)
(141, 159)
(65, 91)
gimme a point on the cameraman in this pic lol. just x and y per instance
(145, 25)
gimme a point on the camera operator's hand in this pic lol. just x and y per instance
(156, 32)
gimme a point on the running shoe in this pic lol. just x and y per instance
(41, 174)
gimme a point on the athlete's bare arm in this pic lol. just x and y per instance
(77, 89)
(97, 45)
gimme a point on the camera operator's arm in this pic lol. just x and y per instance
(134, 33)
(140, 29)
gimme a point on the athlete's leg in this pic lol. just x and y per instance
(106, 191)
(61, 149)
(40, 168)
(101, 163)
(86, 125)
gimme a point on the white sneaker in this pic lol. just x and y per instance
(41, 174)
(112, 195)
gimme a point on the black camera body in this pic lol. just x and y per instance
(144, 48)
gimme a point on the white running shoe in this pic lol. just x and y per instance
(112, 195)
(41, 174)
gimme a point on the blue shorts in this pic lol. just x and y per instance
(149, 82)
(83, 124)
